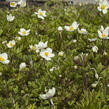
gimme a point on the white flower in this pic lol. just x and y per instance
(47, 53)
(75, 67)
(18, 38)
(4, 58)
(10, 18)
(61, 53)
(52, 69)
(49, 94)
(103, 33)
(95, 84)
(22, 3)
(41, 45)
(24, 32)
(41, 14)
(22, 65)
(82, 31)
(4, 42)
(92, 40)
(13, 4)
(74, 41)
(0, 73)
(95, 49)
(108, 85)
(103, 6)
(32, 47)
(60, 28)
(73, 27)
(11, 44)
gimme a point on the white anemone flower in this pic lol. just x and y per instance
(49, 94)
(32, 47)
(92, 40)
(103, 33)
(11, 44)
(41, 14)
(41, 45)
(82, 31)
(22, 65)
(47, 53)
(95, 49)
(4, 58)
(24, 32)
(72, 27)
(60, 28)
(22, 3)
(103, 6)
(61, 53)
(13, 4)
(10, 18)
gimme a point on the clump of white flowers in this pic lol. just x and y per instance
(41, 14)
(10, 18)
(95, 49)
(4, 58)
(72, 27)
(103, 33)
(24, 32)
(103, 6)
(11, 44)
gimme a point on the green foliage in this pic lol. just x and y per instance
(21, 89)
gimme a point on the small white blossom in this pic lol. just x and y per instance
(22, 3)
(41, 14)
(47, 53)
(103, 33)
(32, 47)
(24, 32)
(103, 6)
(60, 28)
(18, 38)
(4, 58)
(49, 94)
(92, 40)
(13, 4)
(72, 27)
(11, 44)
(95, 84)
(10, 18)
(61, 53)
(95, 49)
(22, 65)
(82, 31)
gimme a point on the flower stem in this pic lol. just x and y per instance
(52, 103)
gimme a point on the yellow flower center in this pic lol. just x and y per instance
(11, 44)
(24, 32)
(103, 35)
(71, 28)
(12, 3)
(2, 59)
(33, 48)
(46, 53)
(40, 13)
(103, 6)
